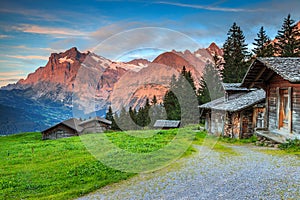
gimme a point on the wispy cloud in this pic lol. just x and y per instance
(29, 57)
(32, 13)
(4, 36)
(35, 49)
(53, 31)
(12, 73)
(211, 8)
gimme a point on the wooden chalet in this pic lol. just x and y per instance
(75, 127)
(280, 78)
(95, 125)
(63, 129)
(237, 114)
(166, 124)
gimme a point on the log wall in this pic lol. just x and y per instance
(275, 84)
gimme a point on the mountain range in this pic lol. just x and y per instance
(73, 83)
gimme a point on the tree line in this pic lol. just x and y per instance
(181, 100)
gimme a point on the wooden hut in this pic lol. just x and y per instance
(280, 78)
(75, 127)
(235, 115)
(63, 129)
(166, 124)
(95, 125)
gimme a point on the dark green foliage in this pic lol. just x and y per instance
(172, 106)
(288, 39)
(210, 85)
(180, 102)
(263, 45)
(154, 100)
(235, 56)
(291, 145)
(110, 117)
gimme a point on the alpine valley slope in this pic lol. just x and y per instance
(77, 84)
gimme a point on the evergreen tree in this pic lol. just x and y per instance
(180, 101)
(154, 100)
(172, 106)
(288, 39)
(235, 55)
(210, 85)
(264, 47)
(110, 116)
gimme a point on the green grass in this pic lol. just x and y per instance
(31, 168)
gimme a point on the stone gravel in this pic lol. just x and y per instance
(250, 174)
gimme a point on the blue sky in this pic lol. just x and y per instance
(32, 29)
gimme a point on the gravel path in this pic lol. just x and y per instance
(250, 174)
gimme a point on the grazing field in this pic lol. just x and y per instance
(31, 168)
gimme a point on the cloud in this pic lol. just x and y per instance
(151, 38)
(211, 8)
(11, 73)
(53, 31)
(5, 36)
(35, 49)
(9, 77)
(37, 14)
(29, 57)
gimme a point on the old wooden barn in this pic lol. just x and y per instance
(280, 78)
(237, 114)
(63, 129)
(75, 127)
(95, 125)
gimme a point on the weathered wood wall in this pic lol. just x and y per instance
(275, 84)
(94, 127)
(59, 131)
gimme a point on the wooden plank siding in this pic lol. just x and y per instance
(277, 87)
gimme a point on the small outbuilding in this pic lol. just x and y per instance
(95, 125)
(237, 114)
(67, 128)
(75, 127)
(166, 124)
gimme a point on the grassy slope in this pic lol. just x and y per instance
(62, 169)
(59, 169)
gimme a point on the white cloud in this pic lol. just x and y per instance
(4, 36)
(53, 31)
(211, 8)
(29, 57)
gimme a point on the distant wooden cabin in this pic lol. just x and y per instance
(280, 78)
(237, 114)
(67, 128)
(166, 124)
(95, 125)
(75, 127)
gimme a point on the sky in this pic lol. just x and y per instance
(30, 30)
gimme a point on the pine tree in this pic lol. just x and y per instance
(210, 85)
(180, 101)
(288, 39)
(154, 100)
(264, 47)
(110, 116)
(235, 55)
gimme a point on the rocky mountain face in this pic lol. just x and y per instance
(89, 82)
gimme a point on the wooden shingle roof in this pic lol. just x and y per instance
(72, 123)
(236, 104)
(99, 119)
(262, 69)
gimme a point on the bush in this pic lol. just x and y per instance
(291, 145)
